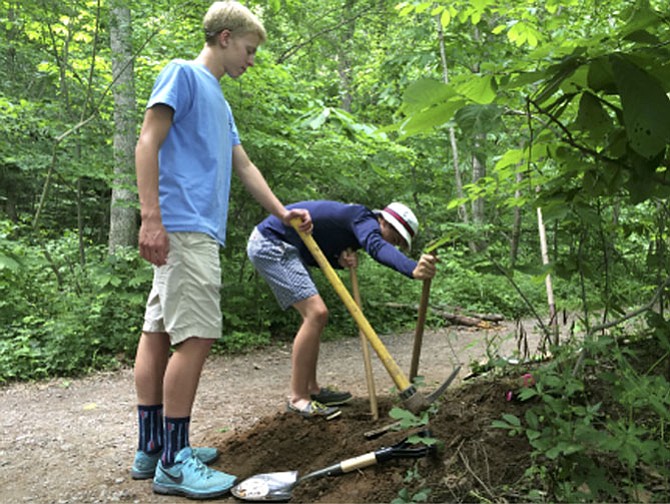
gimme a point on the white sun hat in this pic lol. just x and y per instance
(403, 221)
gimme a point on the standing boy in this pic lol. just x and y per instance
(185, 154)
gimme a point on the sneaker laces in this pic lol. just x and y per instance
(201, 467)
(316, 406)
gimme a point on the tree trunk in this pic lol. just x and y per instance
(123, 224)
(343, 60)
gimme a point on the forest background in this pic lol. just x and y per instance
(531, 138)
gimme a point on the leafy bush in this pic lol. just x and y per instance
(599, 426)
(59, 317)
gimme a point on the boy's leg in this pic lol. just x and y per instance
(280, 265)
(305, 356)
(151, 361)
(183, 374)
(181, 383)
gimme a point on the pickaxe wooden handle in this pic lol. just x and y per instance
(420, 326)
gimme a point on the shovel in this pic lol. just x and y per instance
(411, 398)
(278, 486)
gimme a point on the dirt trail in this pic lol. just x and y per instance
(72, 440)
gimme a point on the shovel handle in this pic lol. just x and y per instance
(369, 378)
(403, 449)
(391, 366)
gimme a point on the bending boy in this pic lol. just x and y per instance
(281, 257)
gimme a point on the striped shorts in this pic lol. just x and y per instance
(280, 265)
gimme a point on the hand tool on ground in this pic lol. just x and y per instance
(420, 325)
(412, 400)
(369, 378)
(279, 485)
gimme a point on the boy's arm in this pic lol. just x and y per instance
(258, 187)
(153, 239)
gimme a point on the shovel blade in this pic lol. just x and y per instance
(268, 487)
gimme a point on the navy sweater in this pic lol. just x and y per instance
(337, 227)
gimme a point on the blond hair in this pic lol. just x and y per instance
(234, 17)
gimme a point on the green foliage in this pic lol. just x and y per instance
(574, 442)
(404, 496)
(59, 317)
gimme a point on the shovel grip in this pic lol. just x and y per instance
(348, 465)
(359, 462)
(391, 366)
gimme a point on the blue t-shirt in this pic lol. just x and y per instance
(337, 227)
(195, 160)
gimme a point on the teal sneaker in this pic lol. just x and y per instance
(144, 465)
(189, 477)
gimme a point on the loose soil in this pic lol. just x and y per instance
(73, 440)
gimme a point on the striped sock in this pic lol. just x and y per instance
(150, 420)
(175, 437)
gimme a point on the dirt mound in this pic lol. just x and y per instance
(471, 457)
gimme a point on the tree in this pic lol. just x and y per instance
(123, 224)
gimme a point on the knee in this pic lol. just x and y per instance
(318, 315)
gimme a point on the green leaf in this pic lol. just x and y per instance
(479, 119)
(600, 77)
(593, 118)
(7, 262)
(402, 414)
(425, 93)
(642, 17)
(479, 89)
(512, 419)
(423, 122)
(646, 107)
(445, 18)
(560, 72)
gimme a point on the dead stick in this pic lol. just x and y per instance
(366, 350)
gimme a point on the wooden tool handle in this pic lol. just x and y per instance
(391, 366)
(369, 378)
(420, 325)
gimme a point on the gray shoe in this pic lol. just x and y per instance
(331, 397)
(189, 477)
(315, 409)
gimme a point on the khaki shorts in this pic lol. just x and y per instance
(185, 297)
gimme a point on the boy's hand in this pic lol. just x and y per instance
(306, 225)
(153, 242)
(348, 259)
(426, 267)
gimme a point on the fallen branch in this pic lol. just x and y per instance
(483, 321)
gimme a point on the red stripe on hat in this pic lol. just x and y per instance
(401, 220)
